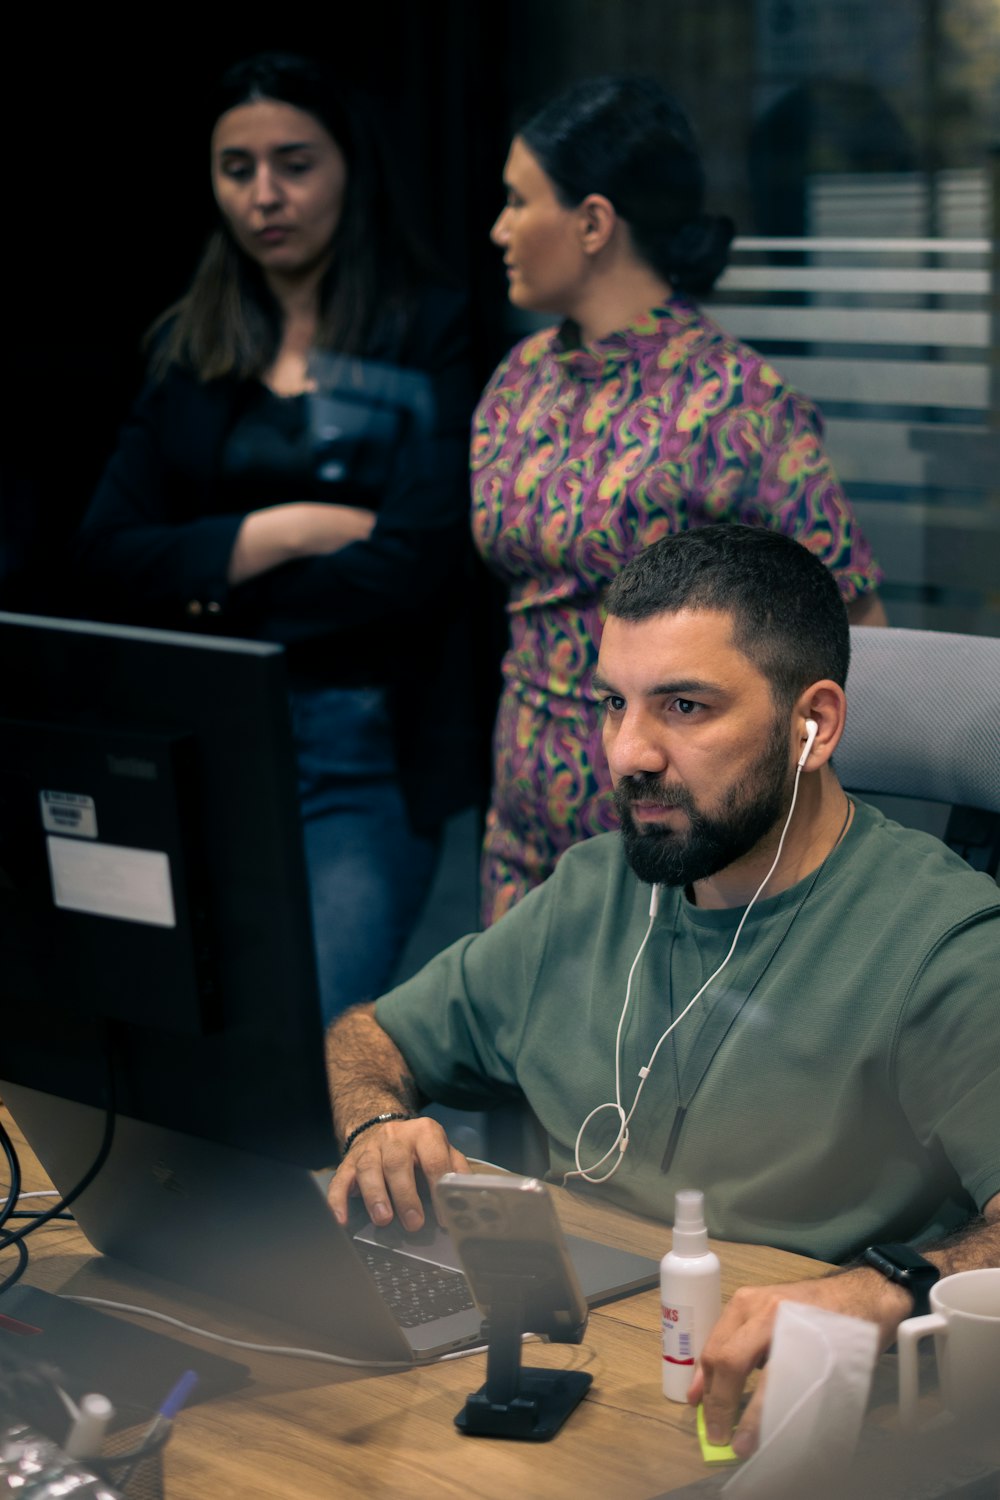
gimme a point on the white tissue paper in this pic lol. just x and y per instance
(819, 1375)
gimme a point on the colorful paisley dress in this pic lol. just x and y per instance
(580, 458)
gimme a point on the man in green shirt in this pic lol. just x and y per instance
(794, 1006)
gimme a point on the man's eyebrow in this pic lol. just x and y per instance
(687, 685)
(683, 686)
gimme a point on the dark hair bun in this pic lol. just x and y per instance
(697, 252)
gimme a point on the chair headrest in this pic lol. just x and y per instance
(923, 716)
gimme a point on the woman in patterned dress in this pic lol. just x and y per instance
(634, 417)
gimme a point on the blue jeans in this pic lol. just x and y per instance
(369, 872)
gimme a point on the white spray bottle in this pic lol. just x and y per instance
(690, 1294)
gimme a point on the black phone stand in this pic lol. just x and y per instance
(517, 1402)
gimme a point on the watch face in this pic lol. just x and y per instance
(901, 1263)
(905, 1258)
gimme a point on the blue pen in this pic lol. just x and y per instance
(178, 1396)
(158, 1430)
(161, 1423)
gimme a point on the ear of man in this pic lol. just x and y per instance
(825, 704)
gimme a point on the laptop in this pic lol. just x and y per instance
(259, 1233)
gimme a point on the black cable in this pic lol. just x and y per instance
(15, 1175)
(13, 1162)
(31, 1213)
(19, 1269)
(16, 1237)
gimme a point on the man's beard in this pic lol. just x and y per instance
(711, 842)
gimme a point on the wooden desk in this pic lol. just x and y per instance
(304, 1430)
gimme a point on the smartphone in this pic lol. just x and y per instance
(513, 1252)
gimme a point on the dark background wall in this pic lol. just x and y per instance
(109, 203)
(106, 169)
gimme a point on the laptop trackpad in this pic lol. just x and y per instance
(431, 1243)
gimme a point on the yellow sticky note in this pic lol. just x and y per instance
(714, 1453)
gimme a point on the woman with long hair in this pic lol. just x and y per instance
(295, 471)
(633, 418)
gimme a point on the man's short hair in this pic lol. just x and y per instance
(788, 617)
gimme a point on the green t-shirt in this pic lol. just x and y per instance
(840, 1079)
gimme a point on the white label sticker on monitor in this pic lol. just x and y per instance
(70, 813)
(112, 881)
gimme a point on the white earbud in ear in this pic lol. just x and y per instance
(812, 730)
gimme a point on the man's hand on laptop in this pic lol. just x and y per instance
(384, 1166)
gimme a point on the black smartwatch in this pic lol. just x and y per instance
(903, 1265)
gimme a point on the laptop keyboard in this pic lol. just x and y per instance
(415, 1291)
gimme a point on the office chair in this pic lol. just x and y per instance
(923, 727)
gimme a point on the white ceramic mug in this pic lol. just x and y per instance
(965, 1322)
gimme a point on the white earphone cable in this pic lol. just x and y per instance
(621, 1139)
(620, 1143)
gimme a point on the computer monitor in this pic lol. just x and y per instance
(154, 915)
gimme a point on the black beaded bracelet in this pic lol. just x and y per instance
(367, 1125)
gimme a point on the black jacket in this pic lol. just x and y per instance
(155, 543)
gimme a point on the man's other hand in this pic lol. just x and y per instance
(741, 1340)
